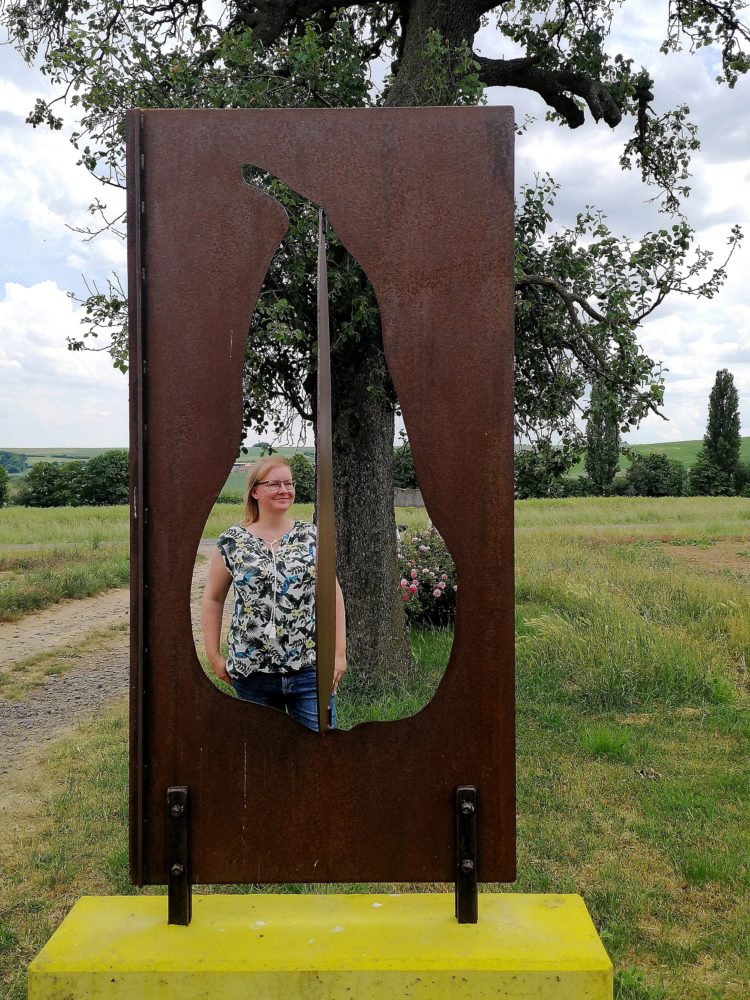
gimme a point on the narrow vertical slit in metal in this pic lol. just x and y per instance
(325, 580)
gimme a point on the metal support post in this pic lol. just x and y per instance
(178, 880)
(466, 855)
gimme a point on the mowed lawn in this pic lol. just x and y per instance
(633, 638)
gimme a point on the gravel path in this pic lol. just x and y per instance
(62, 624)
(99, 678)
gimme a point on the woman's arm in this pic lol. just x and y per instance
(339, 668)
(212, 609)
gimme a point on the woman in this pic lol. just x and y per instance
(270, 559)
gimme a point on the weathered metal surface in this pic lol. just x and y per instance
(423, 198)
(325, 578)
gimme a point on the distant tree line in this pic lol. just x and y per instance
(13, 461)
(98, 482)
(717, 470)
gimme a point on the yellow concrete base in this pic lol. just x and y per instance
(280, 947)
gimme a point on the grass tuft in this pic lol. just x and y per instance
(607, 741)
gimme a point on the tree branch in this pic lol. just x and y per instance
(570, 299)
(554, 86)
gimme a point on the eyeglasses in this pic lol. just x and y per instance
(275, 485)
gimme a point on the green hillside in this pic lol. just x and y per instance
(683, 451)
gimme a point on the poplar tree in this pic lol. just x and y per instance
(721, 442)
(602, 438)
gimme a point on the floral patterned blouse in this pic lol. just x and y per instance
(273, 621)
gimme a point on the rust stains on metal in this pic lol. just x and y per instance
(423, 199)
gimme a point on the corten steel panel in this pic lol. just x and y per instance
(423, 198)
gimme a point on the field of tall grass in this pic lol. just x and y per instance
(63, 553)
(633, 748)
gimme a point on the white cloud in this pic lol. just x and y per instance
(50, 394)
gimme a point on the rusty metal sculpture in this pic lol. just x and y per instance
(423, 199)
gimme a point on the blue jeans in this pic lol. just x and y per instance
(294, 693)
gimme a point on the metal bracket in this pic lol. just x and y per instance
(467, 908)
(178, 876)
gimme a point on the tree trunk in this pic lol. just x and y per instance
(363, 427)
(457, 22)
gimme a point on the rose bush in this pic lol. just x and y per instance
(428, 577)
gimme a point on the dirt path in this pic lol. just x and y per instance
(99, 679)
(61, 625)
(725, 555)
(69, 622)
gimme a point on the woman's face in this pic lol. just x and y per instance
(275, 500)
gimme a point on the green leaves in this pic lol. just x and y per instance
(581, 293)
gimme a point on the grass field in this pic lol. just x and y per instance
(632, 643)
(55, 554)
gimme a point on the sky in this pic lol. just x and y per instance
(52, 397)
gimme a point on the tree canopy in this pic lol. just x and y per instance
(582, 291)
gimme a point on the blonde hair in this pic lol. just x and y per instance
(258, 471)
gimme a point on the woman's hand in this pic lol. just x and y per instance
(219, 667)
(339, 669)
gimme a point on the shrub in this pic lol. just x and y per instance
(104, 479)
(579, 486)
(741, 480)
(428, 577)
(44, 485)
(101, 481)
(656, 476)
(619, 487)
(4, 481)
(707, 479)
(303, 473)
(404, 475)
(538, 470)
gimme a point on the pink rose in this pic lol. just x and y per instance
(413, 588)
(405, 595)
(414, 574)
(444, 576)
(404, 584)
(441, 585)
(437, 592)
